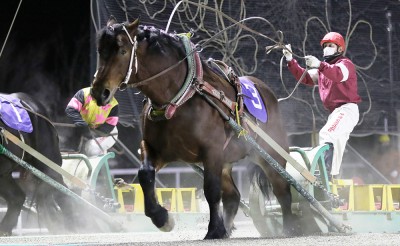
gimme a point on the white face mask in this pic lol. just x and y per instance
(328, 51)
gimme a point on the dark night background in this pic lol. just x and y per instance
(49, 54)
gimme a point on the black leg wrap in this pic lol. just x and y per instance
(158, 214)
(146, 177)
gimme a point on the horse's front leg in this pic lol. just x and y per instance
(212, 192)
(158, 215)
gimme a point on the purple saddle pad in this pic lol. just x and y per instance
(13, 114)
(253, 101)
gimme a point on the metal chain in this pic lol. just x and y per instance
(109, 203)
(334, 198)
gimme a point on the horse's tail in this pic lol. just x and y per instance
(258, 178)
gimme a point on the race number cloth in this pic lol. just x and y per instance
(252, 100)
(13, 114)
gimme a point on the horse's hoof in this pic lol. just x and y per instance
(167, 227)
(218, 234)
(293, 229)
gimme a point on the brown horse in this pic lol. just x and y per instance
(192, 130)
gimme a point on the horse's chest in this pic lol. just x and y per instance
(171, 145)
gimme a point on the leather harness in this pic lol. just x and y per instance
(195, 82)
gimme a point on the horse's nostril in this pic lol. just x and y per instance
(106, 94)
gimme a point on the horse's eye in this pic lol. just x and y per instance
(123, 52)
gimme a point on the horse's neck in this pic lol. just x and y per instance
(163, 88)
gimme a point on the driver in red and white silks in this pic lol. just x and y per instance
(85, 114)
(337, 83)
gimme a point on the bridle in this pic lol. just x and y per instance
(124, 83)
(198, 48)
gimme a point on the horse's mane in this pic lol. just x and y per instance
(155, 35)
(107, 44)
(173, 40)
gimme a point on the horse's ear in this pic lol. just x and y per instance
(133, 26)
(111, 21)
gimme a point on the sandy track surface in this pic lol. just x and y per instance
(245, 234)
(191, 238)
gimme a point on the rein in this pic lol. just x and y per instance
(197, 48)
(182, 94)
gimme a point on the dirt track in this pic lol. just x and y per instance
(189, 239)
(244, 235)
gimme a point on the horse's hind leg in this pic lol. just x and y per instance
(158, 215)
(230, 199)
(281, 189)
(72, 220)
(212, 192)
(48, 211)
(15, 198)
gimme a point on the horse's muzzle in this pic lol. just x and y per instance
(105, 96)
(101, 96)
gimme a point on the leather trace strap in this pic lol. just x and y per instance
(271, 142)
(225, 71)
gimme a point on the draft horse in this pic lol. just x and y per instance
(42, 137)
(190, 128)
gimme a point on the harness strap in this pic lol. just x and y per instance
(229, 74)
(191, 68)
(187, 90)
(220, 95)
(195, 74)
(171, 108)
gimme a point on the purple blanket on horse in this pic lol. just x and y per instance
(253, 101)
(13, 114)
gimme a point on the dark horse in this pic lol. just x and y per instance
(193, 130)
(49, 201)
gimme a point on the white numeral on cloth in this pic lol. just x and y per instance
(256, 104)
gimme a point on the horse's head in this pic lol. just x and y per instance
(114, 48)
(129, 53)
